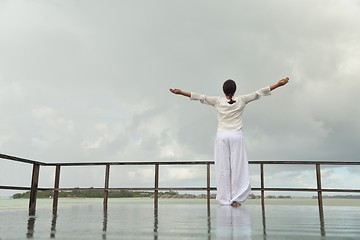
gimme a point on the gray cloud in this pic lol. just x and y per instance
(84, 81)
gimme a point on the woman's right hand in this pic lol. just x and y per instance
(175, 90)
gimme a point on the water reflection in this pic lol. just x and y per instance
(225, 223)
(53, 226)
(30, 227)
(263, 220)
(105, 222)
(322, 224)
(209, 225)
(181, 225)
(156, 223)
(233, 223)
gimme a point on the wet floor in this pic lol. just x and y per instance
(177, 219)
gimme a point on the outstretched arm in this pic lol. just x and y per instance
(196, 96)
(279, 83)
(180, 92)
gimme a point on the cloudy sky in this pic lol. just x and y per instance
(88, 81)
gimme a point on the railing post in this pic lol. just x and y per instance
(106, 190)
(56, 189)
(208, 185)
(34, 188)
(320, 202)
(262, 184)
(156, 186)
(262, 187)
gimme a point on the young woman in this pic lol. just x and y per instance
(231, 162)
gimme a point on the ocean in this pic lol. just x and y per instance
(136, 218)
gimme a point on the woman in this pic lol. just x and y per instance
(231, 163)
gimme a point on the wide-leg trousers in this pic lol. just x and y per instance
(231, 167)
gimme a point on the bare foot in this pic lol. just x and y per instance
(235, 204)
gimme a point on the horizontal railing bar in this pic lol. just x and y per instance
(70, 190)
(199, 162)
(109, 189)
(94, 188)
(306, 162)
(306, 189)
(73, 164)
(23, 160)
(286, 189)
(182, 188)
(128, 188)
(130, 163)
(340, 190)
(15, 188)
(186, 188)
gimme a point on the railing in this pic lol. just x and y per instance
(33, 188)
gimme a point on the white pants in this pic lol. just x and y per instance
(231, 168)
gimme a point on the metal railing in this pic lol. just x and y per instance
(33, 188)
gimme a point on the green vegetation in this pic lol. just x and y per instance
(99, 193)
(342, 196)
(95, 193)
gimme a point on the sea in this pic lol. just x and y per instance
(138, 218)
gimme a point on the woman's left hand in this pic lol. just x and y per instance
(283, 81)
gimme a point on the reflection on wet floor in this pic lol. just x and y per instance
(233, 223)
(105, 221)
(53, 226)
(221, 222)
(30, 227)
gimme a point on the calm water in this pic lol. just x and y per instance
(179, 219)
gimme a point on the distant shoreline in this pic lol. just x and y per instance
(94, 193)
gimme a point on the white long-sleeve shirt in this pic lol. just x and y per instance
(229, 116)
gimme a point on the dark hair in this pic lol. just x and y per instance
(229, 88)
